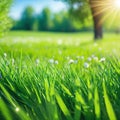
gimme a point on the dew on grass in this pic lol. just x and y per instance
(17, 109)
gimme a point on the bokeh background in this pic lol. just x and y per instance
(59, 59)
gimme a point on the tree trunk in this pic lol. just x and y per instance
(98, 33)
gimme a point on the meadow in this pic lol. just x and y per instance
(59, 76)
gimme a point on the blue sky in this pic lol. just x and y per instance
(19, 5)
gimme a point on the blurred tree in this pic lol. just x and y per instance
(4, 19)
(67, 23)
(27, 19)
(57, 20)
(44, 20)
(82, 9)
(63, 22)
(48, 21)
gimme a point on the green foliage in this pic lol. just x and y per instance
(28, 18)
(34, 86)
(79, 9)
(48, 21)
(108, 104)
(63, 22)
(44, 20)
(4, 19)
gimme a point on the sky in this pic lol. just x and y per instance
(19, 5)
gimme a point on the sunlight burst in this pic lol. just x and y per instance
(117, 3)
(108, 10)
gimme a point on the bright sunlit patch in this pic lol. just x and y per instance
(17, 109)
(117, 3)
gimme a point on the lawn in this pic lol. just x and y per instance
(59, 76)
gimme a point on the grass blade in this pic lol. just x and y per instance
(97, 104)
(109, 108)
(63, 107)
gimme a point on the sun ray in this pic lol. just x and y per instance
(117, 3)
(101, 11)
(109, 10)
(114, 17)
(107, 16)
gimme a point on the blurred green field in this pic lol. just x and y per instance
(59, 76)
(39, 43)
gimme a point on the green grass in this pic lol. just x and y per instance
(57, 76)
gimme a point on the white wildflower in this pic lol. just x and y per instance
(89, 58)
(37, 61)
(102, 59)
(51, 61)
(95, 58)
(56, 62)
(5, 55)
(71, 61)
(86, 65)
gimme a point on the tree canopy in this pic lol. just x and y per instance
(82, 9)
(27, 18)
